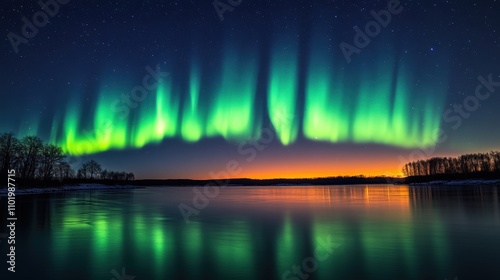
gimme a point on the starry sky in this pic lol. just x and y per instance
(193, 89)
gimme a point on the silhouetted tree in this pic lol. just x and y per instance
(9, 146)
(64, 170)
(31, 159)
(50, 157)
(94, 169)
(83, 172)
(464, 164)
(29, 152)
(90, 170)
(495, 156)
(105, 174)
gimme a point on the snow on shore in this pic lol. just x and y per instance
(476, 182)
(81, 187)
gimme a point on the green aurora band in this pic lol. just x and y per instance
(282, 92)
(326, 100)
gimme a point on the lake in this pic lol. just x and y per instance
(276, 232)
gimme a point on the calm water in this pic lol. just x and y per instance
(327, 232)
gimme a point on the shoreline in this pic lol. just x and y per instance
(469, 182)
(97, 186)
(80, 187)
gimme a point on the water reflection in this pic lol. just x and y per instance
(384, 232)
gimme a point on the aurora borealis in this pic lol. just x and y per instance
(91, 85)
(370, 112)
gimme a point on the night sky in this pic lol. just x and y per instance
(280, 88)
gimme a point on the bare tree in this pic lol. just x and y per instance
(64, 170)
(9, 146)
(94, 169)
(50, 157)
(130, 176)
(29, 152)
(90, 169)
(34, 159)
(84, 171)
(496, 161)
(105, 174)
(469, 163)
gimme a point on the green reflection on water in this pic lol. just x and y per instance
(154, 239)
(325, 232)
(288, 246)
(72, 222)
(106, 243)
(384, 243)
(193, 248)
(409, 251)
(440, 244)
(162, 243)
(387, 243)
(231, 247)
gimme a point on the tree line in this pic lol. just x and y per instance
(33, 159)
(464, 164)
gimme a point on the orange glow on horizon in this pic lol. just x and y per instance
(297, 163)
(315, 172)
(316, 169)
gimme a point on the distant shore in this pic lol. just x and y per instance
(472, 178)
(346, 180)
(471, 182)
(37, 187)
(81, 187)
